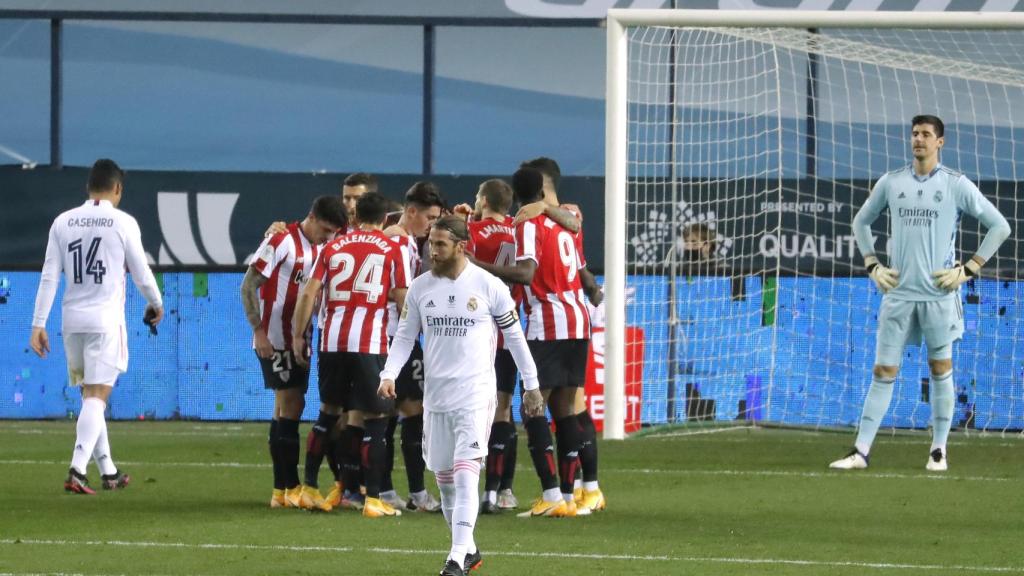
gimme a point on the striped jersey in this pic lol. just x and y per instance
(93, 245)
(494, 242)
(286, 260)
(358, 272)
(412, 266)
(555, 306)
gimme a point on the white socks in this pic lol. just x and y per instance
(101, 453)
(90, 425)
(875, 407)
(467, 506)
(942, 400)
(446, 485)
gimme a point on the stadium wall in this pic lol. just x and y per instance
(201, 366)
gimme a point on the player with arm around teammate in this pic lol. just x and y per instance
(270, 290)
(456, 306)
(921, 285)
(93, 245)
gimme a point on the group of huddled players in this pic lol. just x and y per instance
(347, 267)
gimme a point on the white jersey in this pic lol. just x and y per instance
(94, 245)
(458, 319)
(412, 264)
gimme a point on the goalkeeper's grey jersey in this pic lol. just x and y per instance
(924, 215)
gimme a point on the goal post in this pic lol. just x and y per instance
(763, 131)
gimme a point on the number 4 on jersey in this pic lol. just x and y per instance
(93, 266)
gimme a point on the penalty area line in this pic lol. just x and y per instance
(523, 554)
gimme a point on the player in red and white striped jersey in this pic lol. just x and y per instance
(492, 240)
(558, 331)
(356, 277)
(279, 270)
(423, 206)
(587, 493)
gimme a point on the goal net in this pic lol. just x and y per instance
(740, 156)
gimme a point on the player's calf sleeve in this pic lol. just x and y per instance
(317, 443)
(386, 484)
(87, 431)
(942, 400)
(542, 451)
(101, 453)
(497, 450)
(588, 446)
(374, 455)
(467, 506)
(331, 453)
(875, 406)
(568, 439)
(446, 486)
(350, 448)
(511, 455)
(288, 451)
(412, 452)
(272, 443)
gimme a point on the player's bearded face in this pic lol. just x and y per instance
(444, 250)
(322, 231)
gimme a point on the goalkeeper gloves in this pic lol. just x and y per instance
(885, 278)
(951, 278)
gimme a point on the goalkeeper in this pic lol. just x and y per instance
(922, 280)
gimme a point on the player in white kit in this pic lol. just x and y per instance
(93, 245)
(456, 306)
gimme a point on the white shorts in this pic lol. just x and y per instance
(455, 435)
(904, 323)
(96, 357)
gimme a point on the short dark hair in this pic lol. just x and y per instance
(703, 233)
(935, 121)
(547, 167)
(528, 185)
(498, 194)
(105, 174)
(365, 179)
(455, 225)
(371, 208)
(330, 209)
(424, 195)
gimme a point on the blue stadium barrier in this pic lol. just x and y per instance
(201, 366)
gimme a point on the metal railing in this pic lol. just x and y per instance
(429, 24)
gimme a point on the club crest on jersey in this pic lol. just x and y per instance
(451, 301)
(920, 193)
(471, 305)
(938, 196)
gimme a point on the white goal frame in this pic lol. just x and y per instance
(616, 133)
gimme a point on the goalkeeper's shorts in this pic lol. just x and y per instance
(904, 323)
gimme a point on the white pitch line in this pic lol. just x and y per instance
(641, 471)
(657, 435)
(575, 556)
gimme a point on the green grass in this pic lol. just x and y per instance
(721, 501)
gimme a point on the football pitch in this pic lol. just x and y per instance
(726, 500)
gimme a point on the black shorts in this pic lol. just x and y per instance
(280, 372)
(505, 370)
(409, 384)
(351, 380)
(560, 363)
